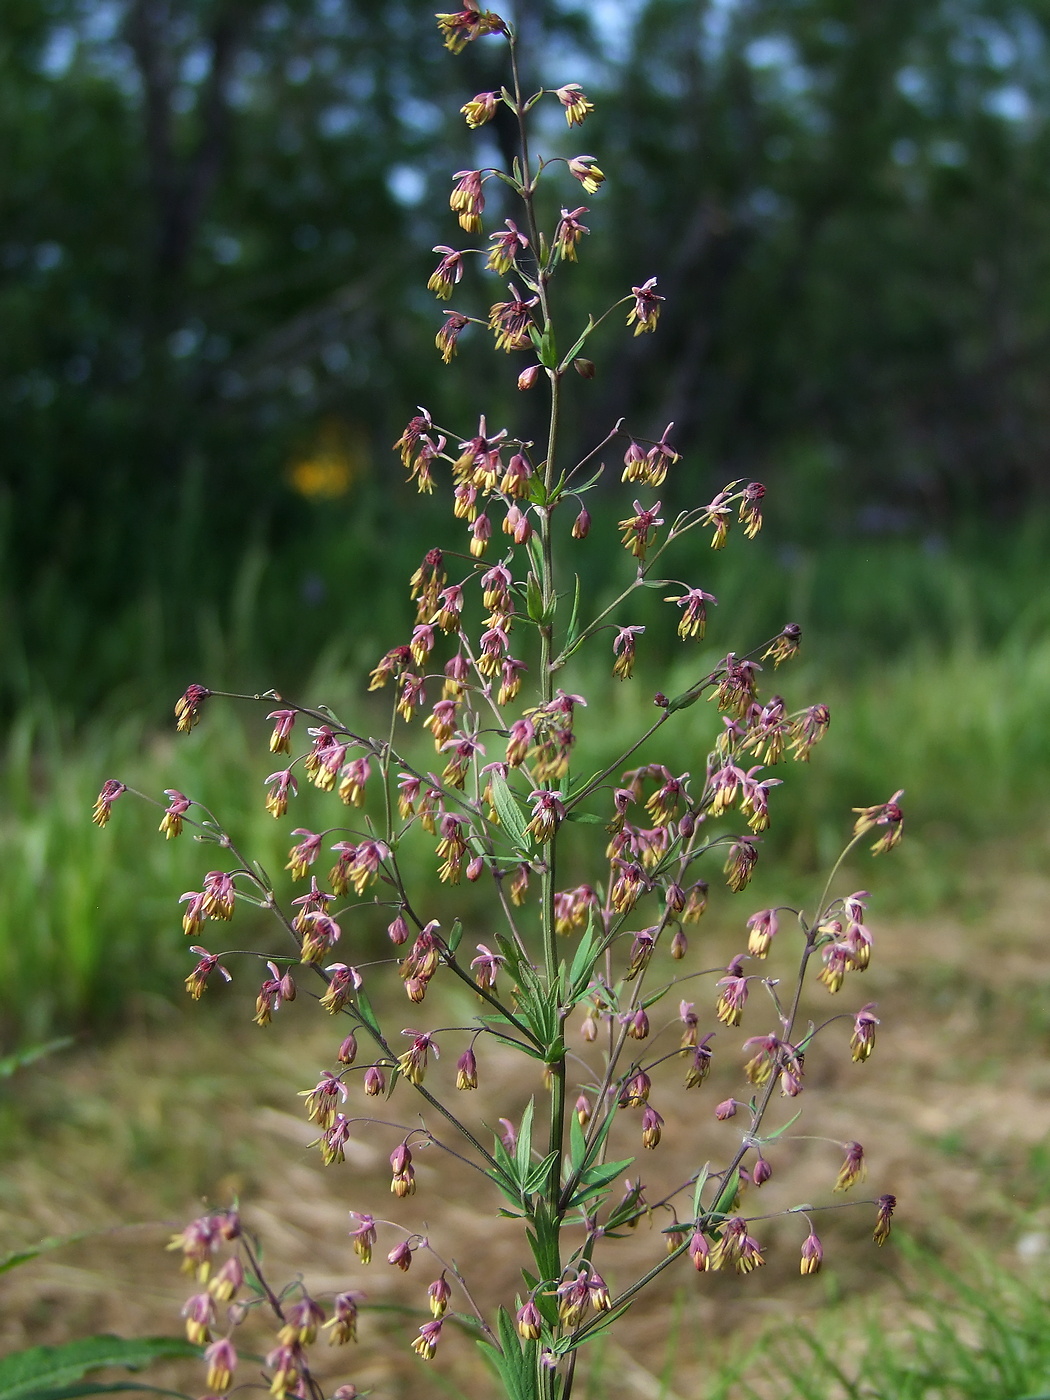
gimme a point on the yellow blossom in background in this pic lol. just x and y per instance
(328, 468)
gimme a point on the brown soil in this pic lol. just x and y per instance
(952, 1110)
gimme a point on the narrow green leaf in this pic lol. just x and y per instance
(698, 1189)
(580, 343)
(595, 1179)
(510, 815)
(574, 616)
(455, 937)
(582, 963)
(539, 1173)
(368, 1016)
(727, 1195)
(28, 1375)
(777, 1132)
(11, 1064)
(524, 1149)
(534, 599)
(32, 1251)
(577, 1143)
(687, 698)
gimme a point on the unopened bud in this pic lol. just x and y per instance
(439, 1293)
(467, 1071)
(529, 1322)
(375, 1081)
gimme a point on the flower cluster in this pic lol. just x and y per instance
(476, 776)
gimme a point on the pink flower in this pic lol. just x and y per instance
(449, 334)
(280, 739)
(576, 105)
(111, 790)
(584, 169)
(638, 528)
(447, 274)
(467, 201)
(568, 233)
(511, 321)
(645, 312)
(301, 857)
(462, 27)
(506, 245)
(480, 109)
(171, 822)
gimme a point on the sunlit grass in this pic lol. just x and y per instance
(89, 920)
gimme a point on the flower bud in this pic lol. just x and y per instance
(812, 1255)
(438, 1294)
(375, 1081)
(529, 1322)
(467, 1071)
(401, 1257)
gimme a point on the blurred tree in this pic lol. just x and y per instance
(848, 207)
(216, 217)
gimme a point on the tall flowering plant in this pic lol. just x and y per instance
(603, 963)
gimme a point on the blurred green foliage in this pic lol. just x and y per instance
(216, 220)
(936, 671)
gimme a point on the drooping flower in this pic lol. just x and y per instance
(462, 27)
(887, 814)
(467, 200)
(638, 528)
(511, 321)
(188, 707)
(171, 822)
(425, 1345)
(569, 232)
(645, 312)
(852, 1169)
(448, 272)
(111, 790)
(623, 650)
(448, 335)
(480, 109)
(576, 105)
(585, 169)
(506, 245)
(862, 1042)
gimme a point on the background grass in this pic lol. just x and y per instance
(935, 663)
